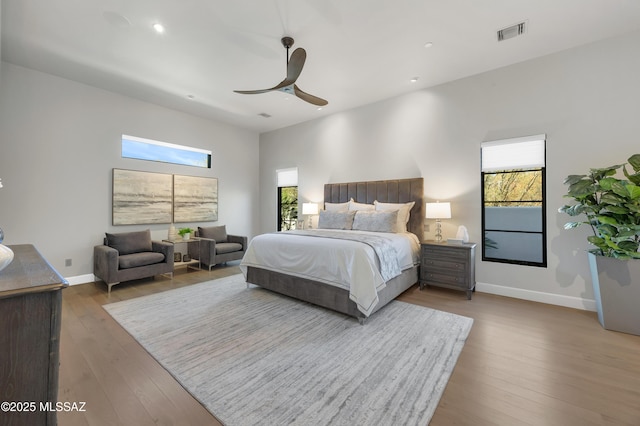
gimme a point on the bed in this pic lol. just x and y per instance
(326, 290)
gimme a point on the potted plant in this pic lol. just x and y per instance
(185, 233)
(611, 205)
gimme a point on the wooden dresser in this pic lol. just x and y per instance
(448, 265)
(30, 314)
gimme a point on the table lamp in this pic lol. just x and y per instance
(438, 211)
(309, 209)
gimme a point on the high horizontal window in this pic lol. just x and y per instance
(148, 149)
(513, 201)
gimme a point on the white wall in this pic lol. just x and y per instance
(584, 99)
(60, 140)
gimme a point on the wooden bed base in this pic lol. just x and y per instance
(328, 296)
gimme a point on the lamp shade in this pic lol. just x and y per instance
(438, 211)
(309, 208)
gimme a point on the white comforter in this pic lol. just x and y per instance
(347, 264)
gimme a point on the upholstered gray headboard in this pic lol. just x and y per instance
(385, 191)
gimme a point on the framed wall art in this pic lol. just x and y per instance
(141, 197)
(195, 199)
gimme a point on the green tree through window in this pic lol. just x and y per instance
(287, 208)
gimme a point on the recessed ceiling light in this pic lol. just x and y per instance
(158, 27)
(191, 97)
(428, 44)
(319, 108)
(414, 79)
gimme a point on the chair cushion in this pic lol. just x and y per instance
(222, 248)
(218, 233)
(139, 259)
(130, 242)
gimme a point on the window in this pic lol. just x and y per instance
(513, 201)
(287, 199)
(147, 149)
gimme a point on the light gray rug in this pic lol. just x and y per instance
(253, 357)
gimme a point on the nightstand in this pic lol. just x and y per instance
(448, 265)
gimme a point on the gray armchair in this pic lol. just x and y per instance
(130, 256)
(216, 246)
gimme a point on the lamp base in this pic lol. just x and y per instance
(438, 231)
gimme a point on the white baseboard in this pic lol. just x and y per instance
(538, 296)
(518, 293)
(81, 279)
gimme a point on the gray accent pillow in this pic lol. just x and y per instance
(130, 242)
(337, 207)
(335, 219)
(377, 221)
(218, 233)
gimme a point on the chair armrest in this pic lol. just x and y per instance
(207, 250)
(164, 248)
(238, 239)
(105, 263)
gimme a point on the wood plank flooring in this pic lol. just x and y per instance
(524, 363)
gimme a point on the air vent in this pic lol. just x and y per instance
(512, 31)
(264, 114)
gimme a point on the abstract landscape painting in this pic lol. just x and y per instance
(195, 199)
(141, 197)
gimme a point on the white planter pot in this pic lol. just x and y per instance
(616, 287)
(186, 237)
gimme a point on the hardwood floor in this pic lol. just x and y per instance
(524, 363)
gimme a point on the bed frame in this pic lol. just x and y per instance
(328, 296)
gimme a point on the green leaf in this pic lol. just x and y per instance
(634, 160)
(606, 230)
(628, 246)
(571, 225)
(634, 208)
(619, 188)
(617, 209)
(581, 188)
(633, 190)
(571, 179)
(598, 174)
(611, 198)
(607, 220)
(597, 241)
(607, 183)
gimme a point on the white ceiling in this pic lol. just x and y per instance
(358, 51)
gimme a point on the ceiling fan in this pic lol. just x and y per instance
(288, 85)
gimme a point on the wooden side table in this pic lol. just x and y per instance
(448, 265)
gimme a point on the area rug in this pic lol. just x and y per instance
(253, 357)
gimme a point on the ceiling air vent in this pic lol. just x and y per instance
(264, 114)
(512, 31)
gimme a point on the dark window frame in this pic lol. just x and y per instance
(543, 233)
(280, 205)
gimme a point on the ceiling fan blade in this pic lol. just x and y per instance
(283, 83)
(252, 92)
(309, 98)
(295, 64)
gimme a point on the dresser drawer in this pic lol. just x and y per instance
(437, 278)
(430, 252)
(446, 267)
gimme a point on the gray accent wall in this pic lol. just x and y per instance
(60, 140)
(585, 99)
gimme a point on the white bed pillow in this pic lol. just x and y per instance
(335, 220)
(337, 207)
(403, 209)
(360, 206)
(371, 220)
